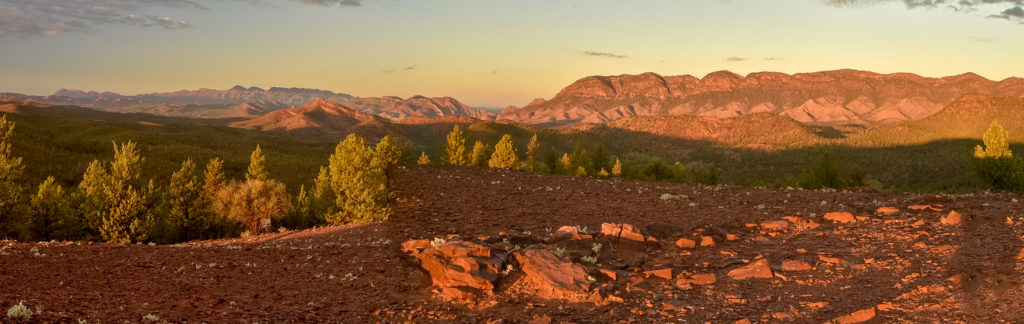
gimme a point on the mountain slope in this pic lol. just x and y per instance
(830, 97)
(395, 108)
(322, 116)
(965, 118)
(750, 130)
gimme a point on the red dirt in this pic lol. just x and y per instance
(905, 267)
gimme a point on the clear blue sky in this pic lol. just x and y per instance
(484, 52)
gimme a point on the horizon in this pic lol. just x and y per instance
(485, 54)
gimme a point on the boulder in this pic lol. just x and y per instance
(551, 275)
(953, 218)
(697, 279)
(665, 273)
(841, 217)
(756, 269)
(462, 265)
(707, 241)
(626, 232)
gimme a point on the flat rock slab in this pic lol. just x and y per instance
(757, 269)
(626, 232)
(551, 275)
(460, 264)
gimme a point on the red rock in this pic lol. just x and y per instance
(543, 319)
(570, 233)
(707, 241)
(732, 237)
(919, 207)
(795, 265)
(611, 274)
(757, 269)
(830, 259)
(887, 211)
(742, 321)
(686, 243)
(886, 306)
(697, 279)
(553, 276)
(459, 264)
(841, 217)
(860, 316)
(625, 232)
(665, 273)
(777, 225)
(953, 218)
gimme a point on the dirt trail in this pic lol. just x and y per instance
(906, 266)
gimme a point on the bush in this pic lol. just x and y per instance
(480, 154)
(994, 163)
(49, 213)
(19, 312)
(455, 149)
(358, 177)
(254, 203)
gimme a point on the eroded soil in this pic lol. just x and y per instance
(900, 267)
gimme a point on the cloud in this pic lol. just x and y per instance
(27, 18)
(603, 54)
(325, 3)
(772, 59)
(1016, 12)
(735, 59)
(407, 68)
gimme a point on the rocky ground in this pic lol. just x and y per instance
(481, 245)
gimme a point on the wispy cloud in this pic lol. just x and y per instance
(407, 68)
(735, 59)
(772, 59)
(27, 18)
(1015, 12)
(325, 3)
(604, 54)
(30, 18)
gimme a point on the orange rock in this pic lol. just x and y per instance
(698, 279)
(757, 269)
(841, 217)
(611, 274)
(686, 243)
(774, 225)
(887, 211)
(860, 316)
(886, 306)
(459, 264)
(660, 273)
(953, 218)
(742, 321)
(795, 265)
(830, 259)
(707, 241)
(625, 232)
(570, 233)
(552, 275)
(919, 207)
(801, 250)
(732, 237)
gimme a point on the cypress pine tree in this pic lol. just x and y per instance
(480, 154)
(10, 173)
(49, 213)
(186, 205)
(117, 201)
(531, 153)
(424, 159)
(257, 166)
(358, 178)
(505, 155)
(455, 149)
(617, 168)
(213, 178)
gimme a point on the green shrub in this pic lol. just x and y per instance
(455, 148)
(994, 163)
(254, 203)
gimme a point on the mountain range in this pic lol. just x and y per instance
(830, 97)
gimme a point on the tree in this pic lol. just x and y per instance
(599, 158)
(825, 174)
(357, 177)
(994, 163)
(10, 173)
(480, 154)
(581, 171)
(188, 210)
(531, 153)
(257, 166)
(565, 164)
(455, 149)
(997, 143)
(424, 159)
(213, 178)
(254, 203)
(49, 213)
(116, 200)
(505, 155)
(617, 168)
(550, 162)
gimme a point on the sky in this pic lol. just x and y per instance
(486, 53)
